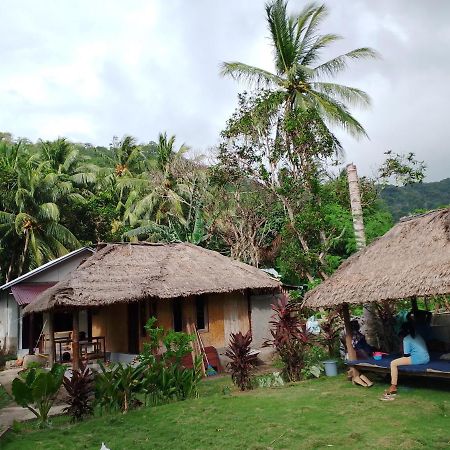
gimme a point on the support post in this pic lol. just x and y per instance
(348, 333)
(414, 306)
(75, 341)
(51, 340)
(30, 335)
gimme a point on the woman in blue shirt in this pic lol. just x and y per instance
(414, 352)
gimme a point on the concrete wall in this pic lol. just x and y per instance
(261, 312)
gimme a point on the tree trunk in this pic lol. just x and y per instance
(369, 315)
(355, 203)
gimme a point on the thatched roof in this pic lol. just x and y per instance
(412, 259)
(131, 272)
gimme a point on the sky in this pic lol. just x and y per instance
(89, 70)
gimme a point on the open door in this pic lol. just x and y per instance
(133, 328)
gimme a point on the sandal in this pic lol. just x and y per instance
(391, 392)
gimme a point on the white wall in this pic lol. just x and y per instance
(9, 310)
(9, 326)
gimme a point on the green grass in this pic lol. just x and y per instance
(323, 413)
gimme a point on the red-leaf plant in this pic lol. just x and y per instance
(242, 360)
(289, 337)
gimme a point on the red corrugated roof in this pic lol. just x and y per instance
(27, 293)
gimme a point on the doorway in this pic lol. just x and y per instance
(133, 328)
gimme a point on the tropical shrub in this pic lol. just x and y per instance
(330, 329)
(242, 361)
(36, 389)
(118, 386)
(289, 337)
(312, 361)
(80, 390)
(157, 378)
(268, 380)
(165, 378)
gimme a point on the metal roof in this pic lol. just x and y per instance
(45, 266)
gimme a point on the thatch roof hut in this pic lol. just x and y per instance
(121, 273)
(410, 260)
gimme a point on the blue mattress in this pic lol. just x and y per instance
(435, 364)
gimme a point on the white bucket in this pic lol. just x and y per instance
(330, 368)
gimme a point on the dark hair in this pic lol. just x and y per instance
(354, 325)
(406, 329)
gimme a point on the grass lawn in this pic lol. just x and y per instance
(323, 413)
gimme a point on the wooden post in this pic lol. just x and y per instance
(51, 340)
(75, 341)
(31, 335)
(414, 306)
(348, 333)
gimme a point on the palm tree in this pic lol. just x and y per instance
(31, 227)
(297, 82)
(163, 204)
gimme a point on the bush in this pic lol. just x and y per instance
(80, 390)
(268, 380)
(312, 361)
(242, 360)
(156, 378)
(289, 338)
(36, 389)
(118, 386)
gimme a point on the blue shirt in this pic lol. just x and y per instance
(417, 348)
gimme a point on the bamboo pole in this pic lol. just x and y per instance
(348, 333)
(51, 340)
(75, 341)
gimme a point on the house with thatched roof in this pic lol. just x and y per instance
(17, 332)
(411, 260)
(122, 285)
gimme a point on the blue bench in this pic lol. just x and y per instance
(438, 368)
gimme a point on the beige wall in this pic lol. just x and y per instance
(112, 322)
(226, 313)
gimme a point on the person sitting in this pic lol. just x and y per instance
(359, 343)
(363, 351)
(414, 352)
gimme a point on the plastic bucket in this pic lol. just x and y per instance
(330, 368)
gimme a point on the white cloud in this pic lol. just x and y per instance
(91, 70)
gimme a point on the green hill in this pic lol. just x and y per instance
(405, 200)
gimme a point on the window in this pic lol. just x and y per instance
(201, 313)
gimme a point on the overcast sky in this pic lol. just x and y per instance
(92, 69)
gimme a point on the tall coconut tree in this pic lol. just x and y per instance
(30, 225)
(298, 79)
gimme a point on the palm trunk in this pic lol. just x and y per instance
(23, 255)
(370, 318)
